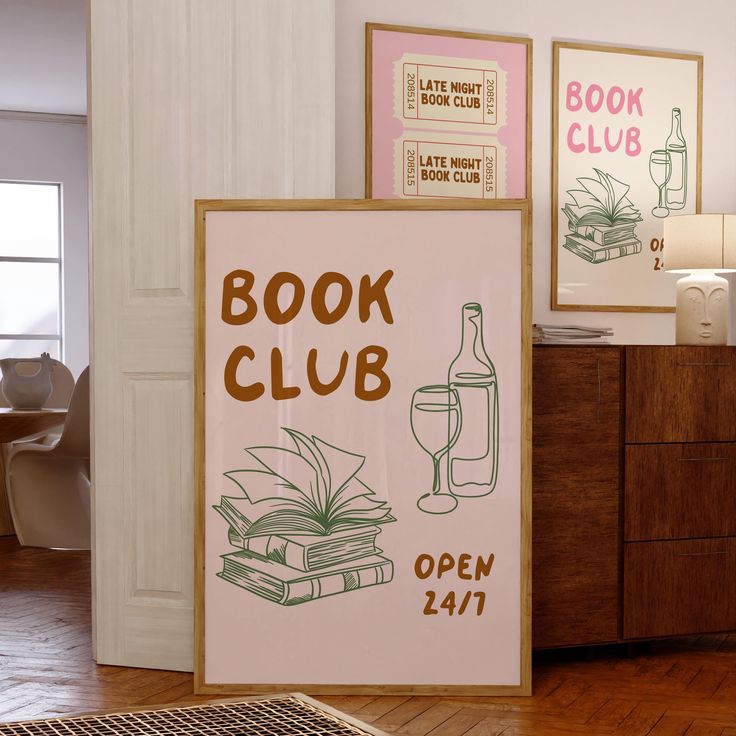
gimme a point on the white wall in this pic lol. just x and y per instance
(43, 60)
(57, 152)
(707, 27)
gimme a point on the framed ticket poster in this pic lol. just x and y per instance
(626, 155)
(448, 114)
(363, 447)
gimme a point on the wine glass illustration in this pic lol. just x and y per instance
(435, 424)
(660, 169)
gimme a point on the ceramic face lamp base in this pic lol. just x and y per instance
(702, 309)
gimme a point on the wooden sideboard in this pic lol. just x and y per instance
(634, 493)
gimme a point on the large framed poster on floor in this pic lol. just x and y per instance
(626, 140)
(363, 446)
(447, 113)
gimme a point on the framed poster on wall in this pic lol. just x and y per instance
(363, 447)
(626, 130)
(448, 114)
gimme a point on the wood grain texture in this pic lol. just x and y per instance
(676, 491)
(525, 408)
(6, 520)
(679, 587)
(576, 481)
(202, 206)
(527, 453)
(15, 424)
(46, 670)
(680, 393)
(368, 111)
(207, 135)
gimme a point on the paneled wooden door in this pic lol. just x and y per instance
(187, 99)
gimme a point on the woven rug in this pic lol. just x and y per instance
(283, 715)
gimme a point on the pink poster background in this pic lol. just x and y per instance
(375, 635)
(389, 46)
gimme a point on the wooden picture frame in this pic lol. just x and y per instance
(224, 232)
(632, 93)
(443, 136)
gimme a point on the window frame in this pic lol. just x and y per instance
(59, 337)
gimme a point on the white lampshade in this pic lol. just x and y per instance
(693, 242)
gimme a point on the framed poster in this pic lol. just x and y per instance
(447, 114)
(626, 130)
(363, 447)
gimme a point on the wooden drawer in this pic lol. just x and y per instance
(680, 394)
(576, 471)
(683, 587)
(680, 491)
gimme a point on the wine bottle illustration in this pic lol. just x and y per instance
(676, 193)
(472, 467)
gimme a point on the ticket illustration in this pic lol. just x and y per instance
(446, 93)
(444, 168)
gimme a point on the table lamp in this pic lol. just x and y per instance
(700, 246)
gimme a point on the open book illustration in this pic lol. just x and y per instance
(303, 523)
(601, 219)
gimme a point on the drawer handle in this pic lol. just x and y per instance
(702, 459)
(703, 365)
(700, 554)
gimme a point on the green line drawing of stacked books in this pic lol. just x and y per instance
(305, 525)
(601, 219)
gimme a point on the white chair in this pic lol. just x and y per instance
(49, 485)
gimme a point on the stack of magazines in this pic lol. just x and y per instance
(570, 335)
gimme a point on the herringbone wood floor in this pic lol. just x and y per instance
(46, 668)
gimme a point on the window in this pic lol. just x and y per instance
(30, 269)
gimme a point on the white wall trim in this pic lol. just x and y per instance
(42, 117)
